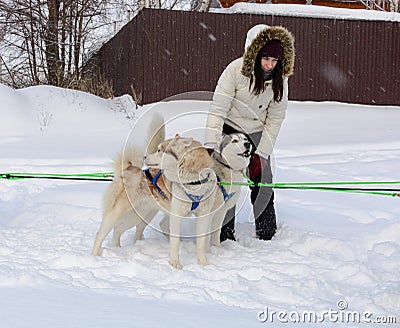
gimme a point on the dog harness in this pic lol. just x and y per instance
(194, 198)
(154, 181)
(224, 193)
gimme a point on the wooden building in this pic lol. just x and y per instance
(163, 53)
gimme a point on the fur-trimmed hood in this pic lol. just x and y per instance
(257, 37)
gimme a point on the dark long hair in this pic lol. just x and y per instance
(259, 83)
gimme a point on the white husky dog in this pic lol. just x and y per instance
(131, 183)
(230, 159)
(188, 166)
(186, 186)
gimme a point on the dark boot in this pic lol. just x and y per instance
(228, 229)
(262, 199)
(266, 222)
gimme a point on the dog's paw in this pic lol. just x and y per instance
(203, 262)
(96, 252)
(175, 264)
(216, 243)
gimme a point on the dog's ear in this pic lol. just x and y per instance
(187, 142)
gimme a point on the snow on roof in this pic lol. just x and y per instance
(309, 11)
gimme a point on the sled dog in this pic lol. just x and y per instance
(230, 159)
(125, 201)
(188, 166)
(179, 182)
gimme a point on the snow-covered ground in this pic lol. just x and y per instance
(334, 253)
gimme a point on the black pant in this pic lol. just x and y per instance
(262, 199)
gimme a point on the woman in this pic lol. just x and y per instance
(251, 97)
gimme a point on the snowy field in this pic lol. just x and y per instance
(334, 253)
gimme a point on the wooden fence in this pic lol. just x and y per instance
(163, 53)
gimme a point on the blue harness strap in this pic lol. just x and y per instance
(224, 193)
(195, 200)
(154, 181)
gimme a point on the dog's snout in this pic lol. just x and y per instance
(247, 145)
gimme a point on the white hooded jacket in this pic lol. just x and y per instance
(234, 103)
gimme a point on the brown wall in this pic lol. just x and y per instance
(163, 53)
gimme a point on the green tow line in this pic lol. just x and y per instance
(339, 186)
(105, 176)
(327, 186)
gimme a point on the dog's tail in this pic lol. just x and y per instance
(155, 132)
(133, 155)
(128, 157)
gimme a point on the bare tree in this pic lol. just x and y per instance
(48, 41)
(45, 39)
(205, 5)
(394, 5)
(51, 42)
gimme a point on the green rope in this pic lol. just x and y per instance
(102, 176)
(325, 186)
(341, 183)
(382, 192)
(319, 186)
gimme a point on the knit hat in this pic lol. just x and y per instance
(272, 48)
